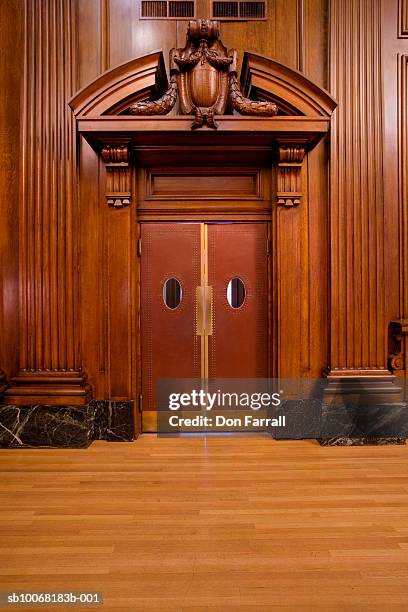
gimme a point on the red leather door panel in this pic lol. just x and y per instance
(170, 346)
(238, 346)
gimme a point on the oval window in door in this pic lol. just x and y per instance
(172, 293)
(236, 292)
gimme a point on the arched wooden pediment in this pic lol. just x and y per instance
(116, 89)
(143, 78)
(266, 79)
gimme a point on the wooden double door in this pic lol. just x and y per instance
(204, 304)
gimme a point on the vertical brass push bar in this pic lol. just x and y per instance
(204, 310)
(200, 309)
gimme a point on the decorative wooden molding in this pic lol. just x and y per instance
(135, 86)
(358, 320)
(162, 106)
(244, 105)
(118, 186)
(204, 78)
(57, 388)
(294, 93)
(116, 89)
(398, 346)
(372, 385)
(289, 175)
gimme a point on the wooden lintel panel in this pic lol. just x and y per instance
(211, 183)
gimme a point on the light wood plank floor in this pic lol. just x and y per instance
(224, 524)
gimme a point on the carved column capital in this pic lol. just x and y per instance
(291, 154)
(118, 189)
(115, 154)
(289, 179)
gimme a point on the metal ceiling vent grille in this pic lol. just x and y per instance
(238, 11)
(168, 9)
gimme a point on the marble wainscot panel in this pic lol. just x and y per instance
(112, 421)
(303, 419)
(360, 441)
(347, 423)
(65, 426)
(357, 425)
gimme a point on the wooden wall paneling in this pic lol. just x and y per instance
(292, 285)
(273, 337)
(403, 18)
(105, 17)
(242, 36)
(121, 261)
(91, 30)
(289, 298)
(129, 36)
(287, 32)
(93, 299)
(136, 357)
(319, 257)
(397, 171)
(277, 37)
(403, 181)
(315, 65)
(11, 72)
(306, 295)
(313, 40)
(149, 35)
(358, 321)
(395, 87)
(122, 27)
(118, 269)
(50, 361)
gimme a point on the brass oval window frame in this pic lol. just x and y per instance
(231, 290)
(177, 288)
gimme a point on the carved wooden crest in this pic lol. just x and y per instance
(203, 77)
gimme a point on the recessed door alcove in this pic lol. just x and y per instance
(155, 168)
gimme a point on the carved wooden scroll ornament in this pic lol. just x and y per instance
(203, 76)
(289, 175)
(398, 342)
(118, 190)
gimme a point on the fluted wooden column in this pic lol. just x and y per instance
(49, 343)
(358, 322)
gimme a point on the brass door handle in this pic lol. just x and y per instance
(204, 310)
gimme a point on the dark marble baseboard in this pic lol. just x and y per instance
(360, 441)
(78, 426)
(66, 426)
(343, 424)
